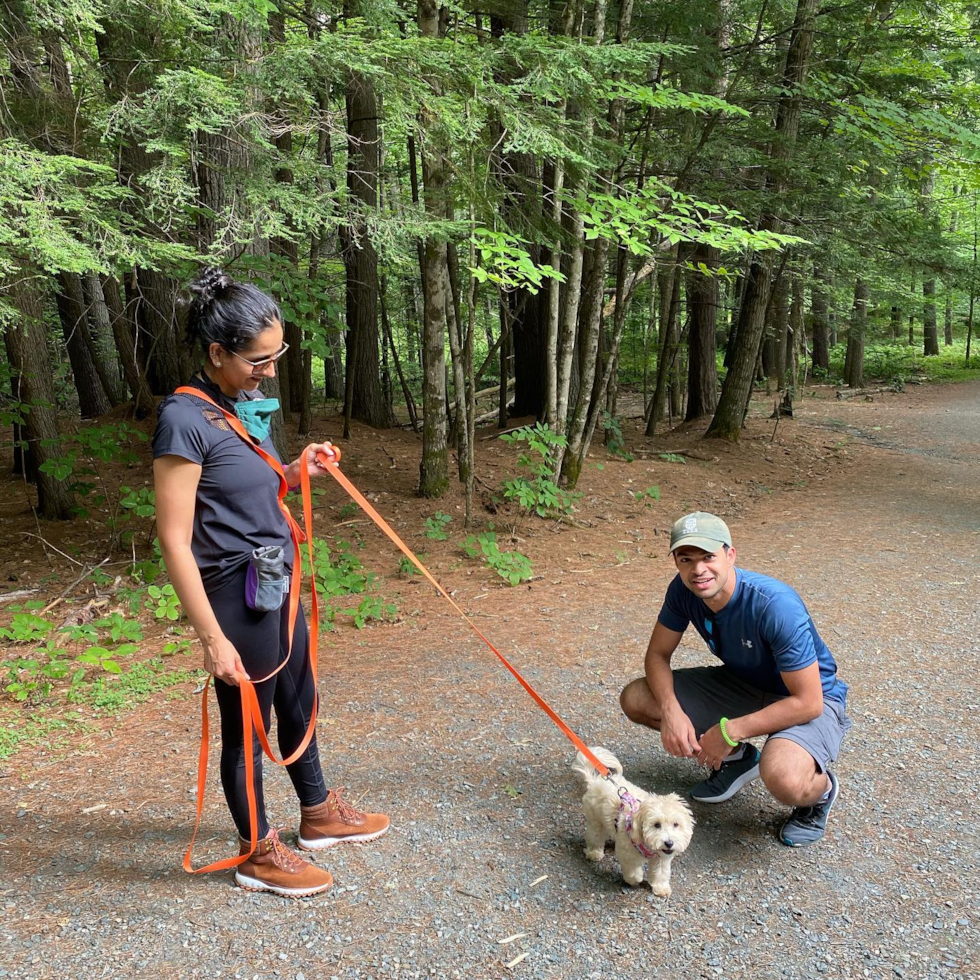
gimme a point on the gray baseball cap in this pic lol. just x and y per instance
(700, 530)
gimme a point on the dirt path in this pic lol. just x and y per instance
(487, 831)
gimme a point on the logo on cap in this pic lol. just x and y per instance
(690, 525)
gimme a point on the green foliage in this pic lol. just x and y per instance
(26, 628)
(650, 494)
(536, 491)
(898, 363)
(337, 574)
(658, 211)
(614, 438)
(407, 567)
(141, 503)
(371, 607)
(672, 458)
(178, 646)
(163, 602)
(511, 566)
(31, 676)
(435, 527)
(505, 261)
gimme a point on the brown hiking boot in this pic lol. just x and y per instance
(273, 867)
(335, 821)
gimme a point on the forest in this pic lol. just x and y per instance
(478, 212)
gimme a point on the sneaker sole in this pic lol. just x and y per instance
(256, 885)
(322, 843)
(747, 777)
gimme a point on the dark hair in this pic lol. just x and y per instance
(226, 312)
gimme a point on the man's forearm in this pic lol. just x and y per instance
(775, 717)
(660, 680)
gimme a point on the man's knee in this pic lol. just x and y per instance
(789, 774)
(638, 703)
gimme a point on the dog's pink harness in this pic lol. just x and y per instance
(628, 806)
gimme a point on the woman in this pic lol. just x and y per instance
(217, 503)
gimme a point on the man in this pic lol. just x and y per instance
(777, 679)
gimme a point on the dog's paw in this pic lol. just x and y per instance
(661, 891)
(594, 853)
(633, 879)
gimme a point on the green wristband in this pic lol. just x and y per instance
(724, 733)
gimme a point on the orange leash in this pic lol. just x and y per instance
(333, 468)
(252, 722)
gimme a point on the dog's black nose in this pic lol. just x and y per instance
(668, 846)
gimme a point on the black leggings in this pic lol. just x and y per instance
(262, 641)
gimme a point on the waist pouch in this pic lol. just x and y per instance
(266, 581)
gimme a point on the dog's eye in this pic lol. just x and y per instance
(657, 825)
(676, 824)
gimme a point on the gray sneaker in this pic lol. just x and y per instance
(809, 823)
(725, 782)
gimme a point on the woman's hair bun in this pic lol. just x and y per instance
(209, 283)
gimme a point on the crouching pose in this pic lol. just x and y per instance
(777, 678)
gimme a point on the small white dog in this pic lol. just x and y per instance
(644, 826)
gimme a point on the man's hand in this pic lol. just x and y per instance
(677, 734)
(714, 749)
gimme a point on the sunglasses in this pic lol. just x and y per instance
(262, 361)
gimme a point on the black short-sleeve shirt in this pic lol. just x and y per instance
(237, 506)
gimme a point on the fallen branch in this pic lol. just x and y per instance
(85, 574)
(843, 395)
(19, 594)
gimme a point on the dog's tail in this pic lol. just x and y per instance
(587, 772)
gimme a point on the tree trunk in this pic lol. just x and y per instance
(779, 309)
(293, 363)
(434, 468)
(554, 181)
(895, 323)
(930, 332)
(728, 418)
(151, 298)
(855, 336)
(28, 351)
(796, 339)
(669, 285)
(103, 342)
(92, 398)
(360, 258)
(702, 298)
(125, 340)
(821, 321)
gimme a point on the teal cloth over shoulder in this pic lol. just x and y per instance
(256, 415)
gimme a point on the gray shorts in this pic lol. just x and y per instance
(709, 693)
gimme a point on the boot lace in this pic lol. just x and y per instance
(346, 811)
(282, 857)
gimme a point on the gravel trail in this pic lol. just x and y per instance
(487, 836)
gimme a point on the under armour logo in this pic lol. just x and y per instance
(747, 643)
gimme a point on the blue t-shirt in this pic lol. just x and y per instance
(763, 630)
(237, 507)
